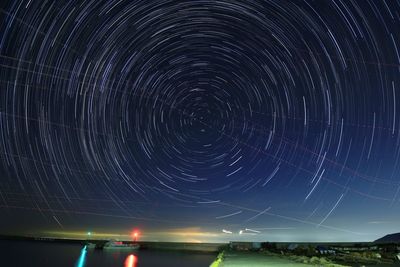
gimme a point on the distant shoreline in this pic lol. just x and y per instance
(147, 245)
(79, 240)
(161, 244)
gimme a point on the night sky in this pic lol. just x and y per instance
(200, 121)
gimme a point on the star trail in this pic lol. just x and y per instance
(268, 120)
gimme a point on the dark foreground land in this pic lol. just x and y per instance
(309, 254)
(243, 259)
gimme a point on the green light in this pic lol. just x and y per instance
(89, 233)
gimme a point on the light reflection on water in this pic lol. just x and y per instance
(131, 261)
(36, 253)
(82, 257)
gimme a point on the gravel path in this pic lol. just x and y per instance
(244, 259)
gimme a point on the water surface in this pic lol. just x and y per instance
(30, 253)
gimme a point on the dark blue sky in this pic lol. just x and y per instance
(273, 120)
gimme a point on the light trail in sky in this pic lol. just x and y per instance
(226, 114)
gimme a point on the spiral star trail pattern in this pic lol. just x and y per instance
(272, 119)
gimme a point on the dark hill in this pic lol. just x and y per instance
(392, 238)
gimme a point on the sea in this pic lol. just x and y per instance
(41, 254)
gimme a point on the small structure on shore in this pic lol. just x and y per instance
(325, 250)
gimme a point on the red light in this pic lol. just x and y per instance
(135, 235)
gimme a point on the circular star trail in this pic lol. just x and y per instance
(251, 103)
